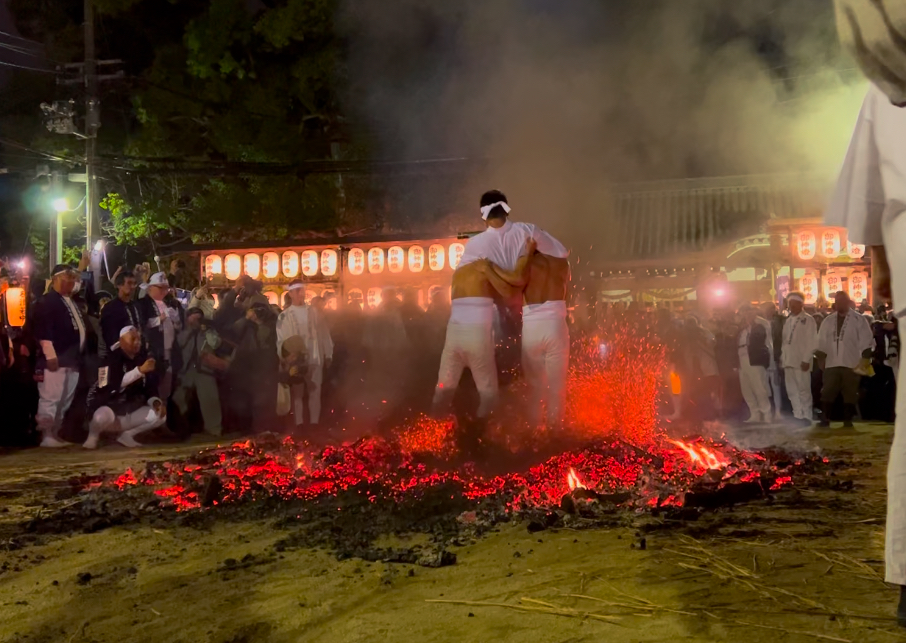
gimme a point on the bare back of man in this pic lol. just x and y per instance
(548, 279)
(470, 281)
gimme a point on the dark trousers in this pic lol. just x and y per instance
(840, 379)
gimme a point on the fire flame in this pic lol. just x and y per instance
(572, 479)
(701, 456)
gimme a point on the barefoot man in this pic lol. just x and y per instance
(545, 334)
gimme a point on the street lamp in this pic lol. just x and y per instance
(60, 205)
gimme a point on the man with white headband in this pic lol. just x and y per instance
(308, 358)
(124, 399)
(470, 338)
(61, 331)
(800, 341)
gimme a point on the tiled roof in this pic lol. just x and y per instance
(660, 218)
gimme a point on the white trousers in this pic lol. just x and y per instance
(56, 393)
(754, 383)
(310, 389)
(467, 346)
(775, 390)
(545, 360)
(129, 425)
(799, 388)
(895, 541)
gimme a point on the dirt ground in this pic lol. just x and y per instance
(757, 573)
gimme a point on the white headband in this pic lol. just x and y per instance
(797, 298)
(486, 210)
(295, 287)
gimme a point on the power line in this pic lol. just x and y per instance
(25, 52)
(14, 37)
(47, 155)
(45, 71)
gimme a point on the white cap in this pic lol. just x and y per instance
(123, 331)
(157, 279)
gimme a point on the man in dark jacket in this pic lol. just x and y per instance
(122, 311)
(124, 399)
(162, 318)
(62, 333)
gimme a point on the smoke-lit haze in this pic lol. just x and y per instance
(566, 97)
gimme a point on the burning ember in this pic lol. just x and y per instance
(700, 456)
(573, 480)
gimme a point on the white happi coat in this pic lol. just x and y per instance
(800, 340)
(870, 201)
(844, 349)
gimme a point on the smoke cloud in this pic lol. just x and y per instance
(567, 98)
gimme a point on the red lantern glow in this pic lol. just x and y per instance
(806, 245)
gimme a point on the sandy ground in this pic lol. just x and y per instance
(758, 573)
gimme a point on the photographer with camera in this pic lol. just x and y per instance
(200, 368)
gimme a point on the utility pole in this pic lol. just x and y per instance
(55, 248)
(92, 123)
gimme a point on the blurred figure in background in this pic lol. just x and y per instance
(799, 343)
(775, 371)
(755, 355)
(198, 373)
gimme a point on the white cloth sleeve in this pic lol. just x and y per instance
(47, 347)
(548, 245)
(131, 377)
(810, 343)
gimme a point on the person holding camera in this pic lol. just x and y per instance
(163, 320)
(200, 366)
(124, 398)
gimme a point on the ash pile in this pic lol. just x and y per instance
(346, 498)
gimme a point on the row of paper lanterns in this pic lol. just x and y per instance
(827, 243)
(270, 265)
(832, 282)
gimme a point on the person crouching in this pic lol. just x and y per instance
(124, 400)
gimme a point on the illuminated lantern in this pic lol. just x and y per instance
(416, 258)
(436, 256)
(808, 286)
(831, 283)
(855, 250)
(456, 250)
(290, 264)
(830, 244)
(806, 245)
(356, 261)
(252, 265)
(233, 266)
(213, 265)
(858, 286)
(328, 263)
(309, 260)
(355, 296)
(395, 259)
(15, 306)
(376, 261)
(272, 298)
(374, 297)
(270, 265)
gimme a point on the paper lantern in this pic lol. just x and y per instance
(830, 243)
(855, 250)
(416, 259)
(329, 262)
(213, 265)
(456, 250)
(356, 261)
(272, 298)
(376, 261)
(270, 265)
(16, 303)
(808, 286)
(858, 286)
(436, 256)
(290, 264)
(251, 265)
(309, 260)
(831, 283)
(806, 246)
(395, 258)
(233, 266)
(375, 296)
